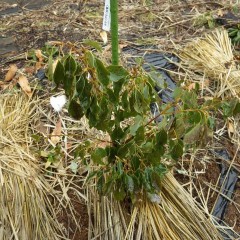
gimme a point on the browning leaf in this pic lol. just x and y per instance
(11, 72)
(56, 134)
(24, 84)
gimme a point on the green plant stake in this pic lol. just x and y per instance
(114, 30)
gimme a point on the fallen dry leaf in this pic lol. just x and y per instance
(40, 127)
(104, 37)
(24, 84)
(56, 134)
(220, 12)
(38, 66)
(11, 72)
(54, 65)
(230, 128)
(40, 59)
(3, 85)
(39, 55)
(191, 86)
(29, 70)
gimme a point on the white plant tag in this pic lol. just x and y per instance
(106, 16)
(58, 102)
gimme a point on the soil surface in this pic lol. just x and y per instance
(166, 24)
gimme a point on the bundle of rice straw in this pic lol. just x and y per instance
(25, 209)
(177, 217)
(213, 57)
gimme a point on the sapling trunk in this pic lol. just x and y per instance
(114, 30)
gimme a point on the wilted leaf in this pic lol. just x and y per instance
(56, 134)
(11, 72)
(24, 84)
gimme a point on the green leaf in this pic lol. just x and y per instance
(177, 150)
(236, 110)
(59, 74)
(102, 73)
(137, 123)
(49, 73)
(161, 137)
(94, 106)
(129, 183)
(194, 117)
(79, 70)
(117, 87)
(135, 163)
(125, 149)
(140, 137)
(194, 134)
(80, 85)
(90, 59)
(147, 147)
(70, 65)
(98, 155)
(100, 184)
(119, 168)
(119, 194)
(154, 157)
(91, 175)
(93, 44)
(117, 133)
(69, 84)
(125, 101)
(161, 170)
(117, 73)
(140, 105)
(75, 109)
(111, 96)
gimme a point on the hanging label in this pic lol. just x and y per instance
(106, 16)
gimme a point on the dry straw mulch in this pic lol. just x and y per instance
(26, 211)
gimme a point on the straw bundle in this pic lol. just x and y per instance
(25, 209)
(176, 217)
(213, 57)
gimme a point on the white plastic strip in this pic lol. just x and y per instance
(106, 16)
